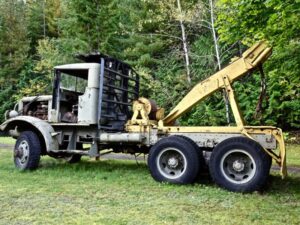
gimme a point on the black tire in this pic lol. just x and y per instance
(239, 164)
(202, 165)
(270, 164)
(73, 158)
(174, 160)
(27, 151)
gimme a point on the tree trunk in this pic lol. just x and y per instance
(44, 18)
(218, 56)
(185, 45)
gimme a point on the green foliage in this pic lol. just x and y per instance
(168, 85)
(278, 22)
(37, 35)
(41, 17)
(5, 95)
(13, 50)
(284, 87)
(210, 112)
(202, 57)
(13, 39)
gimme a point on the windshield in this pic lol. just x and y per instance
(72, 83)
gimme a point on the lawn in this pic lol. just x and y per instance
(122, 192)
(7, 140)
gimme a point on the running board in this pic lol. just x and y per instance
(78, 152)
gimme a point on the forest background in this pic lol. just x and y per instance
(172, 44)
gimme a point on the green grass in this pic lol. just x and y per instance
(7, 140)
(122, 192)
(293, 155)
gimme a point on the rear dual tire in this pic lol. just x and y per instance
(237, 164)
(240, 164)
(174, 159)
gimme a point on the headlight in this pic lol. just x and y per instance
(11, 114)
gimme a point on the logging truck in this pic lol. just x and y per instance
(96, 103)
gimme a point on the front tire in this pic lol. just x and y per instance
(174, 160)
(239, 164)
(27, 151)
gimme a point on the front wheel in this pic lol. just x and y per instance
(27, 151)
(239, 164)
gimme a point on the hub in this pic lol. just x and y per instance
(238, 165)
(173, 162)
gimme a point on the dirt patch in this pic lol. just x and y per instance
(6, 146)
(124, 156)
(290, 169)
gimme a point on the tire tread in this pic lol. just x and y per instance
(187, 149)
(34, 150)
(253, 148)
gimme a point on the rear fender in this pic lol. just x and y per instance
(43, 129)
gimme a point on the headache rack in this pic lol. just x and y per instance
(118, 88)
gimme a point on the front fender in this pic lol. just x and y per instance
(32, 123)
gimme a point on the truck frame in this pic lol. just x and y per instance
(97, 103)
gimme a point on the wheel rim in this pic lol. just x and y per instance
(238, 166)
(171, 163)
(22, 152)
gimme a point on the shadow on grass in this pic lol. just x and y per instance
(276, 185)
(287, 186)
(92, 166)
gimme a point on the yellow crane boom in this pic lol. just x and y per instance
(250, 59)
